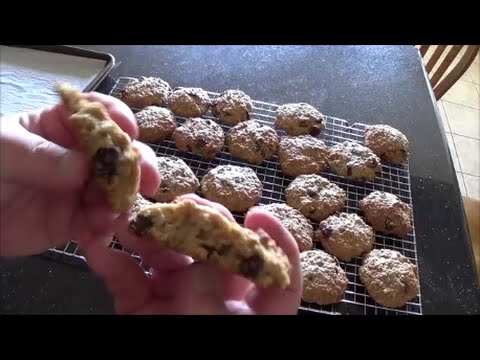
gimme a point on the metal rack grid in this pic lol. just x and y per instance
(393, 179)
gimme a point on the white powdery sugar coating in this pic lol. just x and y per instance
(302, 154)
(146, 91)
(200, 136)
(236, 187)
(299, 119)
(390, 278)
(232, 106)
(389, 135)
(154, 116)
(315, 196)
(251, 141)
(294, 221)
(388, 143)
(386, 213)
(345, 235)
(177, 179)
(189, 101)
(324, 281)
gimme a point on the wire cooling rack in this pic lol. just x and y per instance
(393, 179)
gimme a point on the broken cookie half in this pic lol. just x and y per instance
(115, 162)
(206, 235)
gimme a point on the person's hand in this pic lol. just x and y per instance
(47, 196)
(179, 285)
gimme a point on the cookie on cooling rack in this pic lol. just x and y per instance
(299, 119)
(345, 236)
(232, 107)
(324, 281)
(237, 188)
(315, 196)
(189, 102)
(155, 124)
(294, 221)
(390, 278)
(199, 136)
(146, 91)
(252, 141)
(115, 162)
(140, 201)
(303, 154)
(388, 143)
(176, 179)
(386, 213)
(354, 161)
(206, 235)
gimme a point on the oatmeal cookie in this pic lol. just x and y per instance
(299, 119)
(386, 213)
(232, 107)
(303, 154)
(324, 281)
(176, 179)
(390, 278)
(388, 143)
(294, 221)
(206, 235)
(155, 124)
(115, 162)
(199, 136)
(252, 141)
(189, 102)
(237, 188)
(146, 91)
(354, 161)
(315, 196)
(345, 236)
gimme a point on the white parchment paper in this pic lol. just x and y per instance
(27, 77)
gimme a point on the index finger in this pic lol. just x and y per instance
(53, 123)
(275, 300)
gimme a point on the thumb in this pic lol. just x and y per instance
(30, 159)
(200, 291)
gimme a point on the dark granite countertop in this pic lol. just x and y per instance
(369, 84)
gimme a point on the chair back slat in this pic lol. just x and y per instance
(441, 73)
(424, 49)
(436, 55)
(452, 54)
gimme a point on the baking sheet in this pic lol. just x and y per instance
(27, 76)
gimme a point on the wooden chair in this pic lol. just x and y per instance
(441, 87)
(472, 213)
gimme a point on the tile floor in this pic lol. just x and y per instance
(460, 111)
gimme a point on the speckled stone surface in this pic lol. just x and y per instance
(37, 286)
(370, 84)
